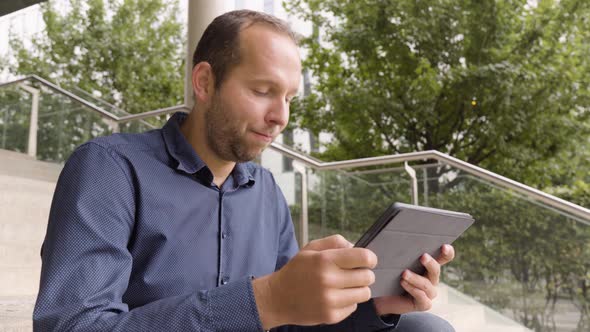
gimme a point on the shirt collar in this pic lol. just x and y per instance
(188, 160)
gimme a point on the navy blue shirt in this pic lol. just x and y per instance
(140, 239)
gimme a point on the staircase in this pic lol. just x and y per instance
(26, 189)
(468, 315)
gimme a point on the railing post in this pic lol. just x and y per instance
(412, 174)
(4, 129)
(34, 123)
(425, 186)
(303, 221)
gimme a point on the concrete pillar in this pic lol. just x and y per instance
(200, 14)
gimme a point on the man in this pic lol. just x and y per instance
(174, 230)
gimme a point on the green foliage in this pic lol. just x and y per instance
(519, 257)
(400, 76)
(496, 83)
(128, 52)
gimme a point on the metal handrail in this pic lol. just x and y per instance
(95, 108)
(314, 163)
(505, 182)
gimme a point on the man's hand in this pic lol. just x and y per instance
(422, 289)
(322, 284)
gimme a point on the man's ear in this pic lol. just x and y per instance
(203, 82)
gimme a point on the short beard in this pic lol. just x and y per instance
(222, 135)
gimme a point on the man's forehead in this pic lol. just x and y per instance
(269, 27)
(263, 48)
(256, 35)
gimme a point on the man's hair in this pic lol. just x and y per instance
(219, 45)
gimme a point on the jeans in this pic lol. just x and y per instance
(422, 322)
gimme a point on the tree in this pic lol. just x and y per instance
(501, 84)
(128, 52)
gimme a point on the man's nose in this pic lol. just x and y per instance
(278, 113)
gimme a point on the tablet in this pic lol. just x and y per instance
(402, 234)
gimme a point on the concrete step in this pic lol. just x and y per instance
(21, 165)
(20, 254)
(442, 294)
(463, 317)
(27, 198)
(24, 211)
(16, 313)
(500, 328)
(9, 154)
(22, 232)
(454, 306)
(20, 280)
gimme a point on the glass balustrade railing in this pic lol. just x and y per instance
(526, 259)
(15, 118)
(64, 124)
(142, 125)
(349, 202)
(522, 258)
(97, 101)
(290, 180)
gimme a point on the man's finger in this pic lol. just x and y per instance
(345, 297)
(331, 242)
(420, 282)
(432, 268)
(421, 301)
(447, 254)
(352, 258)
(352, 278)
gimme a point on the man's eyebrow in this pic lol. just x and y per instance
(271, 82)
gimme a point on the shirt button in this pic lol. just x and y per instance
(224, 235)
(224, 280)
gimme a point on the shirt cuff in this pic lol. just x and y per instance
(365, 318)
(232, 307)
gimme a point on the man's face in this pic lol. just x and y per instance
(251, 106)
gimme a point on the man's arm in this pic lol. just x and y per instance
(87, 266)
(364, 316)
(380, 314)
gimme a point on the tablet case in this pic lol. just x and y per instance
(402, 234)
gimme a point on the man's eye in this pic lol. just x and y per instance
(261, 92)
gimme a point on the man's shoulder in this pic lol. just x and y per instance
(125, 143)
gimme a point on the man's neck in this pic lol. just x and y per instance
(193, 129)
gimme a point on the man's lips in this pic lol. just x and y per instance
(265, 137)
